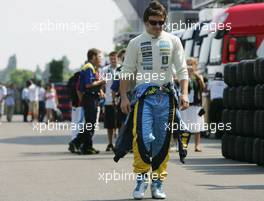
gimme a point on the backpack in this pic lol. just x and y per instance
(72, 85)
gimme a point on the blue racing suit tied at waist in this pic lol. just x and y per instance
(147, 89)
(125, 136)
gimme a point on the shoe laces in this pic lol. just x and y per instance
(158, 185)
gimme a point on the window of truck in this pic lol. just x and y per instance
(246, 48)
(188, 48)
(216, 51)
(205, 49)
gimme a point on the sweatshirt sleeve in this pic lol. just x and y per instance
(179, 60)
(130, 62)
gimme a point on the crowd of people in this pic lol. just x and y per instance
(37, 102)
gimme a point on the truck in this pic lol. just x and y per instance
(239, 36)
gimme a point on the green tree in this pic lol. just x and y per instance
(56, 71)
(20, 76)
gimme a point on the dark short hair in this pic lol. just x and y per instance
(121, 52)
(112, 53)
(91, 53)
(155, 8)
(218, 75)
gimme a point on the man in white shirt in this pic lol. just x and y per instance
(153, 56)
(216, 89)
(108, 73)
(42, 109)
(3, 93)
(33, 94)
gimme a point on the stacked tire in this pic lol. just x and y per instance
(64, 101)
(244, 110)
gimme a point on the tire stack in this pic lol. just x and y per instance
(64, 101)
(244, 109)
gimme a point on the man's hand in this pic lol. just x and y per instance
(102, 82)
(101, 94)
(184, 102)
(125, 105)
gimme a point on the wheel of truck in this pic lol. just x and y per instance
(232, 98)
(239, 122)
(232, 119)
(256, 70)
(257, 96)
(248, 123)
(248, 72)
(261, 71)
(239, 148)
(225, 118)
(232, 74)
(239, 91)
(257, 124)
(261, 98)
(248, 97)
(248, 149)
(256, 150)
(239, 73)
(227, 74)
(225, 97)
(225, 139)
(231, 147)
(261, 153)
(261, 124)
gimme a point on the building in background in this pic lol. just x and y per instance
(132, 24)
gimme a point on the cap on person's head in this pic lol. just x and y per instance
(218, 76)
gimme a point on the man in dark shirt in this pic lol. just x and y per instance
(90, 86)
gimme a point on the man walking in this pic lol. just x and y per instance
(110, 114)
(90, 86)
(153, 55)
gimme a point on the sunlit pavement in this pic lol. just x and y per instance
(37, 167)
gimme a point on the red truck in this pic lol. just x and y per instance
(239, 37)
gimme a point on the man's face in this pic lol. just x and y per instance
(113, 60)
(97, 60)
(154, 25)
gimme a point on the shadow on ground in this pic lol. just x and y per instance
(221, 166)
(242, 187)
(47, 140)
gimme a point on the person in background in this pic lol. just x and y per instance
(42, 109)
(77, 115)
(50, 101)
(10, 102)
(110, 114)
(3, 92)
(91, 88)
(120, 116)
(193, 116)
(216, 88)
(25, 101)
(33, 94)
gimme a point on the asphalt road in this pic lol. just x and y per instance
(37, 167)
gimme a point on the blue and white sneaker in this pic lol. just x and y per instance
(141, 187)
(157, 191)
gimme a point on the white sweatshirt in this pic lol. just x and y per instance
(155, 60)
